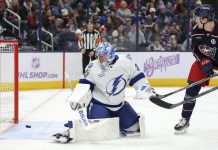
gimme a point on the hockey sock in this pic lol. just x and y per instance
(188, 107)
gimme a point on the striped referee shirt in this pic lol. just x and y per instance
(89, 40)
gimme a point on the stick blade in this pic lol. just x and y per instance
(159, 102)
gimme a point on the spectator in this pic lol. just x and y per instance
(80, 15)
(123, 12)
(93, 9)
(47, 18)
(178, 6)
(152, 33)
(70, 20)
(133, 5)
(116, 19)
(156, 45)
(3, 5)
(103, 31)
(118, 4)
(58, 26)
(67, 40)
(170, 29)
(103, 18)
(128, 26)
(26, 9)
(132, 37)
(164, 16)
(152, 15)
(97, 24)
(118, 36)
(174, 46)
(151, 4)
(168, 4)
(109, 26)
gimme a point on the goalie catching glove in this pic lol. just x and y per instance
(80, 97)
(144, 92)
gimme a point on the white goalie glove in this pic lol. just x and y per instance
(144, 92)
(80, 97)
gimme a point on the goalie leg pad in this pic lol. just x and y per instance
(138, 129)
(128, 116)
(142, 125)
(100, 129)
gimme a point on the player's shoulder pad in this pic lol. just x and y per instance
(126, 60)
(123, 58)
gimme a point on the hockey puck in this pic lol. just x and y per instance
(28, 126)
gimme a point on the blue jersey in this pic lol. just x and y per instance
(205, 44)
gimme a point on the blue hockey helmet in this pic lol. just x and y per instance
(205, 11)
(103, 49)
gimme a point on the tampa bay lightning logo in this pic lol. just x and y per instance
(116, 85)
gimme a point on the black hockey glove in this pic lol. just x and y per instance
(207, 66)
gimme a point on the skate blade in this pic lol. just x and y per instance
(180, 132)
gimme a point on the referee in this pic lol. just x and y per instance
(88, 42)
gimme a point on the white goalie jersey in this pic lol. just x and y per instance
(108, 86)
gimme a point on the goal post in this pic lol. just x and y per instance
(9, 81)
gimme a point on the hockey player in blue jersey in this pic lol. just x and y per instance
(108, 77)
(204, 47)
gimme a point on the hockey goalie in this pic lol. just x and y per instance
(99, 99)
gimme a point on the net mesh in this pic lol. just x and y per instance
(6, 81)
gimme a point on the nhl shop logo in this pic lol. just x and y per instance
(35, 62)
(213, 41)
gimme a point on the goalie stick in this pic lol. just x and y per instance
(189, 86)
(80, 111)
(68, 79)
(167, 105)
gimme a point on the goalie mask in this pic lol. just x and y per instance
(105, 50)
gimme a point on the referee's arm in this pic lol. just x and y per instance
(81, 41)
(97, 40)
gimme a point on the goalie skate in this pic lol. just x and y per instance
(62, 137)
(182, 126)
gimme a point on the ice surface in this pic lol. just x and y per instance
(47, 110)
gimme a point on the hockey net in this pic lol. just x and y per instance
(8, 82)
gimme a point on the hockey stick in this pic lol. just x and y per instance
(167, 105)
(80, 111)
(189, 86)
(68, 79)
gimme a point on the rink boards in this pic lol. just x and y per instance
(46, 70)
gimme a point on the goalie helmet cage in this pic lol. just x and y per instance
(8, 81)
